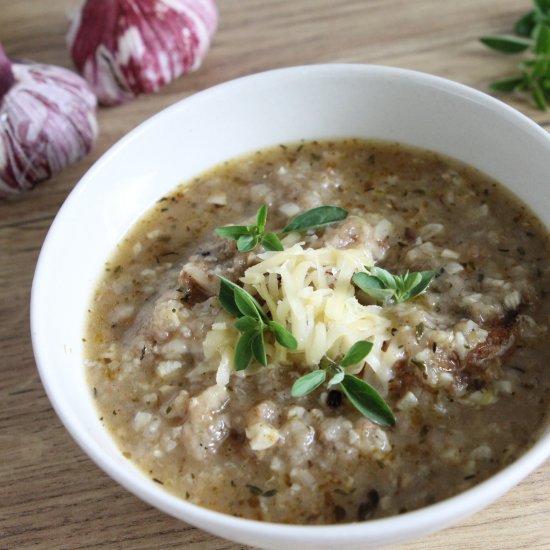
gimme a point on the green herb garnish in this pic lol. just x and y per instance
(367, 400)
(531, 35)
(356, 353)
(383, 286)
(315, 218)
(248, 237)
(228, 300)
(252, 323)
(309, 382)
(360, 394)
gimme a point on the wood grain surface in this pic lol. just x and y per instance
(51, 495)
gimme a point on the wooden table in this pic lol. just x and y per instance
(51, 495)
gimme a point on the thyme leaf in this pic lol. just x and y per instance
(258, 348)
(367, 400)
(307, 383)
(337, 378)
(246, 303)
(506, 43)
(356, 353)
(246, 243)
(261, 218)
(245, 323)
(243, 349)
(315, 218)
(282, 335)
(232, 231)
(229, 292)
(226, 298)
(272, 242)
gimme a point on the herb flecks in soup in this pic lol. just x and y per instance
(431, 292)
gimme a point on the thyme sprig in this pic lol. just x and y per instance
(248, 237)
(252, 323)
(532, 36)
(315, 218)
(360, 394)
(383, 286)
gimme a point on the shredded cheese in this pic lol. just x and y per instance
(309, 291)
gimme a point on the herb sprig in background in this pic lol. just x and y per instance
(531, 35)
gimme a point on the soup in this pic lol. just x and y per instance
(460, 364)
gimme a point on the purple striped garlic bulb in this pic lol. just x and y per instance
(124, 48)
(47, 121)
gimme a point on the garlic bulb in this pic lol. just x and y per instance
(47, 120)
(124, 48)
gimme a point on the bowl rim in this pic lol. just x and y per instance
(445, 512)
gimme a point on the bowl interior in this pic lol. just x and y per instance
(231, 119)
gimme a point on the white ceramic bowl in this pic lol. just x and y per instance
(327, 101)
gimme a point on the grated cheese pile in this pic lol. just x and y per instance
(309, 291)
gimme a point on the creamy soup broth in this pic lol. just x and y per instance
(463, 366)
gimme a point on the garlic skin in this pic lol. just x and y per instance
(125, 48)
(47, 121)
